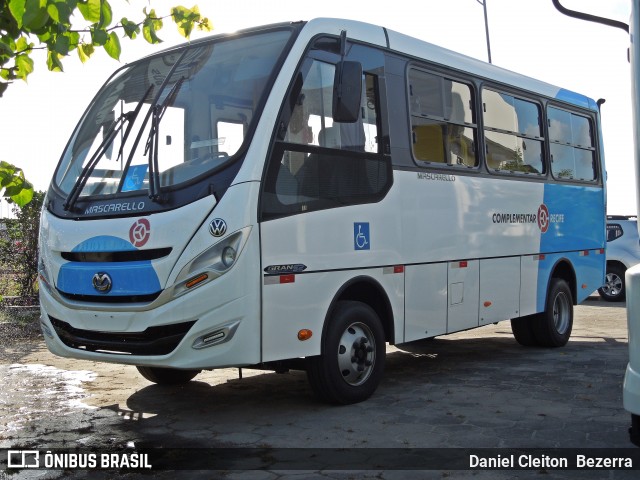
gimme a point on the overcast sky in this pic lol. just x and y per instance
(527, 36)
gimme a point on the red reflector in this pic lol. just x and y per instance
(602, 251)
(287, 278)
(463, 264)
(398, 269)
(542, 257)
(586, 253)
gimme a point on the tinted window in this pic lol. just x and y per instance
(512, 133)
(442, 120)
(572, 146)
(318, 163)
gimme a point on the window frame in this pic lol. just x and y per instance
(542, 139)
(477, 85)
(475, 126)
(280, 144)
(597, 159)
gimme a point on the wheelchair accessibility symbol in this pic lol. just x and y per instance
(361, 239)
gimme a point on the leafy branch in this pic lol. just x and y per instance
(29, 25)
(16, 186)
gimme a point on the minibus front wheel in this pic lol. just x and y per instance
(167, 376)
(351, 365)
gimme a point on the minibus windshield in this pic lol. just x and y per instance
(166, 120)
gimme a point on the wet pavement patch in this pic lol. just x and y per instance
(32, 392)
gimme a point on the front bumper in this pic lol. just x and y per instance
(170, 335)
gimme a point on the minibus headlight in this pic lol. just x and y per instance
(212, 263)
(229, 256)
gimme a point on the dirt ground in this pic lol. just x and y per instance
(475, 389)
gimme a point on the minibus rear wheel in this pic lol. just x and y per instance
(352, 361)
(522, 329)
(167, 376)
(552, 327)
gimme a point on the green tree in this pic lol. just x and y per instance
(61, 27)
(19, 245)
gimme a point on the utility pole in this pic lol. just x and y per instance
(486, 26)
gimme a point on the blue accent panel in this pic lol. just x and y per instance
(576, 99)
(128, 278)
(576, 223)
(576, 218)
(104, 243)
(589, 271)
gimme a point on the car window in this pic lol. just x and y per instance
(614, 230)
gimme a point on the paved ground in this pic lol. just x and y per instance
(469, 390)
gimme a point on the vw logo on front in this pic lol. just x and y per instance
(217, 227)
(102, 282)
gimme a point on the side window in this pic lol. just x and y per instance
(318, 163)
(311, 121)
(513, 134)
(572, 146)
(443, 127)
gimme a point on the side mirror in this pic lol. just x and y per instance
(347, 92)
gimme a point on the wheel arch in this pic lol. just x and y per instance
(564, 270)
(616, 263)
(369, 291)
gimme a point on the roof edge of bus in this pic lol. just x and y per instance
(405, 44)
(459, 61)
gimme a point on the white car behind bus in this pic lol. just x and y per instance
(623, 252)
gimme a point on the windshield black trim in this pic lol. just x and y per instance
(137, 203)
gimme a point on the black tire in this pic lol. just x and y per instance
(522, 329)
(167, 376)
(614, 289)
(552, 328)
(353, 354)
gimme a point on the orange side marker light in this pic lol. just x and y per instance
(304, 334)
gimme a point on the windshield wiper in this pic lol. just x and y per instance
(151, 147)
(115, 128)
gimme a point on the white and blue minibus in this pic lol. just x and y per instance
(296, 196)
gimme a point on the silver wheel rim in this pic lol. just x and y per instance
(561, 312)
(356, 354)
(613, 285)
